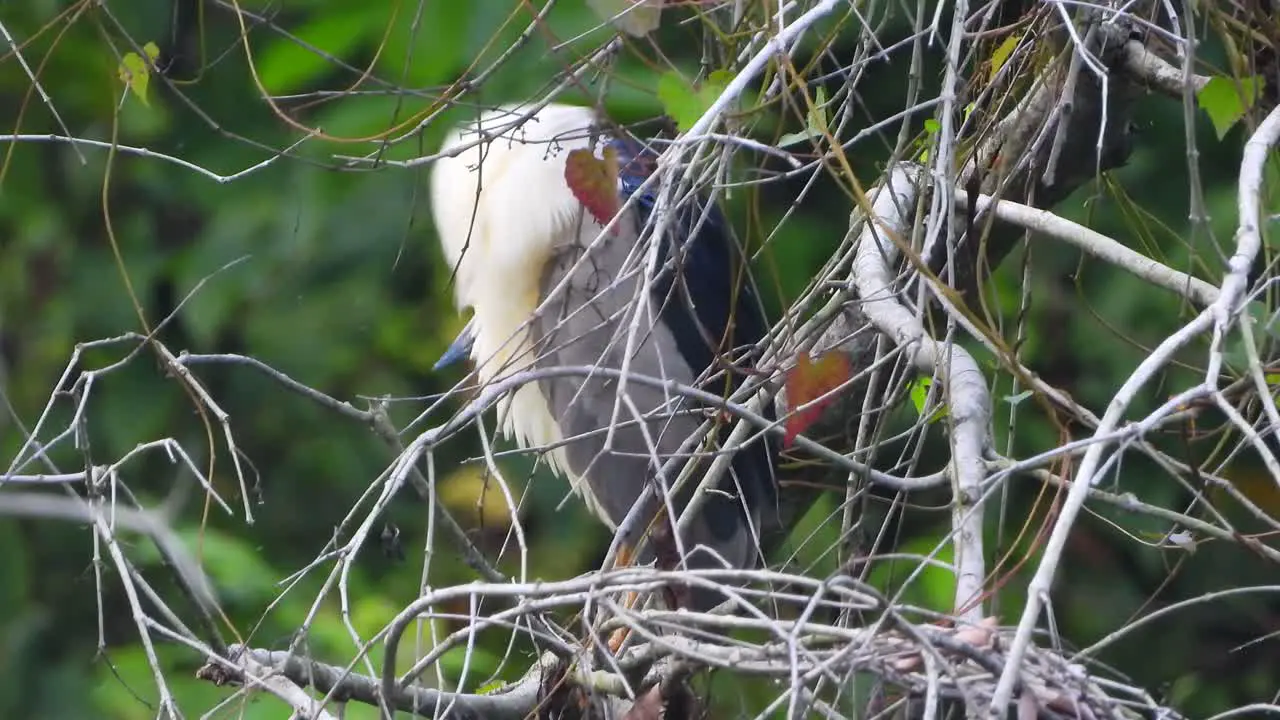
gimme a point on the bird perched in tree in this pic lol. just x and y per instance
(521, 213)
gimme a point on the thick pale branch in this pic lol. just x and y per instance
(969, 399)
(1155, 72)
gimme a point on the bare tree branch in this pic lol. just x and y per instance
(1095, 244)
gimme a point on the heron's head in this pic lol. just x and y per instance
(500, 201)
(501, 205)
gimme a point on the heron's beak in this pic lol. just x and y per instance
(460, 348)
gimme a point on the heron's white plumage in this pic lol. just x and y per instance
(501, 208)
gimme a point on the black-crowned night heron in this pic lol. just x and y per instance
(550, 287)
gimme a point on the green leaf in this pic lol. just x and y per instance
(1001, 55)
(920, 393)
(1226, 100)
(815, 125)
(931, 128)
(235, 567)
(1273, 381)
(931, 585)
(920, 396)
(685, 103)
(796, 138)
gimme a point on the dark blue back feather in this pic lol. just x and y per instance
(708, 304)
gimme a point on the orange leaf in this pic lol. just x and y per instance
(594, 181)
(808, 381)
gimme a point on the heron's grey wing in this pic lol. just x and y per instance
(594, 292)
(585, 322)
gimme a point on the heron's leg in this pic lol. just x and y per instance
(661, 534)
(667, 554)
(619, 636)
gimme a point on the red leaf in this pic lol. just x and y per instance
(594, 181)
(808, 381)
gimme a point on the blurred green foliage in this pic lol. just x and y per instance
(327, 271)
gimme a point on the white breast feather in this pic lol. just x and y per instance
(500, 242)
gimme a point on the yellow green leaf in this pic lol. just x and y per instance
(490, 687)
(932, 585)
(135, 73)
(1001, 55)
(920, 395)
(286, 65)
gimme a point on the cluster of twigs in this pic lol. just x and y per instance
(810, 660)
